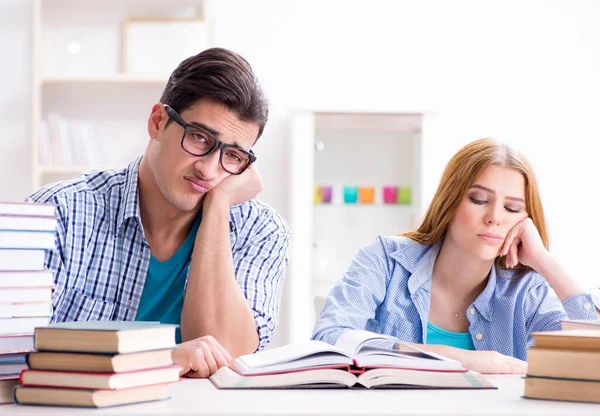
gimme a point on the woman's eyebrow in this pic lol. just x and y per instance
(491, 191)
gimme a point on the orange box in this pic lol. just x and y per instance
(366, 194)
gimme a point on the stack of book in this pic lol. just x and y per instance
(565, 365)
(27, 230)
(360, 359)
(99, 364)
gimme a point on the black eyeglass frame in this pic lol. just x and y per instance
(218, 143)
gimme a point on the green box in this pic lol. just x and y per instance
(404, 195)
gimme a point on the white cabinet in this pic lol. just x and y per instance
(87, 113)
(346, 153)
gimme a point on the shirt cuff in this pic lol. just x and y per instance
(582, 306)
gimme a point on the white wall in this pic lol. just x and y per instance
(525, 72)
(15, 98)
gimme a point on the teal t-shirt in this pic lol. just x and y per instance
(162, 297)
(437, 335)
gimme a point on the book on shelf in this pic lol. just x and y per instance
(27, 223)
(562, 389)
(576, 364)
(100, 381)
(27, 208)
(27, 239)
(580, 324)
(103, 363)
(7, 385)
(359, 358)
(26, 278)
(15, 260)
(89, 398)
(105, 336)
(573, 339)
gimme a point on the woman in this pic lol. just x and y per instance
(474, 280)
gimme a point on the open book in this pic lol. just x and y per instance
(358, 358)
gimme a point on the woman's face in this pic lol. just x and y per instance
(493, 204)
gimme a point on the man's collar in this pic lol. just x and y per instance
(130, 202)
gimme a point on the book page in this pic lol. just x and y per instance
(352, 341)
(286, 354)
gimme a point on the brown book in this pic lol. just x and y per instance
(89, 398)
(573, 339)
(105, 337)
(580, 324)
(99, 363)
(99, 381)
(563, 363)
(562, 389)
(7, 384)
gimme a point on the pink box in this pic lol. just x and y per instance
(390, 194)
(327, 193)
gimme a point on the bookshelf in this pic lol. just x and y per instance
(98, 111)
(338, 149)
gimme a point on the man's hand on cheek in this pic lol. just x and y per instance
(240, 188)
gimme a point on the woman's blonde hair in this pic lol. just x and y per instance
(459, 175)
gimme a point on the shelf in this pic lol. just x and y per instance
(60, 169)
(114, 79)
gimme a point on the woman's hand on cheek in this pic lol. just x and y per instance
(523, 244)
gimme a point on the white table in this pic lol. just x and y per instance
(201, 397)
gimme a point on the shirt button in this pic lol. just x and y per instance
(587, 306)
(472, 311)
(479, 337)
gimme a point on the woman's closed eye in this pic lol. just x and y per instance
(510, 208)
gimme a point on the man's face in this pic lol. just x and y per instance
(184, 179)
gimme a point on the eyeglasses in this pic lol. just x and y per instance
(198, 142)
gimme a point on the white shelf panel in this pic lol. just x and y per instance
(68, 169)
(115, 79)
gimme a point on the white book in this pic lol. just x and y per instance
(38, 294)
(19, 279)
(28, 309)
(22, 325)
(27, 223)
(355, 348)
(27, 208)
(22, 259)
(396, 378)
(27, 239)
(14, 343)
(15, 368)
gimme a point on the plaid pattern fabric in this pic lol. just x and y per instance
(102, 257)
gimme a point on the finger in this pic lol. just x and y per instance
(513, 253)
(198, 366)
(215, 345)
(507, 242)
(181, 360)
(209, 359)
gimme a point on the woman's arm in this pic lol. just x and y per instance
(354, 299)
(485, 362)
(524, 245)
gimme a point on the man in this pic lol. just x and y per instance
(177, 236)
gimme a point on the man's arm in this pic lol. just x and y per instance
(214, 303)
